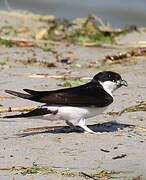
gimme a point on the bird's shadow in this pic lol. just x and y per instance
(101, 128)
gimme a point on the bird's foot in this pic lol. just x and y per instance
(90, 133)
(93, 132)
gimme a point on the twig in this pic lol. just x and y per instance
(43, 129)
(89, 176)
(6, 97)
(120, 156)
(64, 77)
(17, 109)
(104, 150)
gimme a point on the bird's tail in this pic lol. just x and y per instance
(21, 95)
(36, 112)
(30, 94)
(16, 115)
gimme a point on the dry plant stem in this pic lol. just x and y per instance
(17, 109)
(44, 128)
(63, 77)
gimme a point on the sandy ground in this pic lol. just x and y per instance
(120, 146)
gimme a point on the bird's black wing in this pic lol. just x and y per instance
(85, 95)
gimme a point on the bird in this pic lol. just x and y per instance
(76, 104)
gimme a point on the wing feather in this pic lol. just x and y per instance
(85, 95)
(89, 94)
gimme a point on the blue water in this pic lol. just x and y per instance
(119, 13)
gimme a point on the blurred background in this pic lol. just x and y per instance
(115, 12)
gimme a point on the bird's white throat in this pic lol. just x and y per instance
(109, 86)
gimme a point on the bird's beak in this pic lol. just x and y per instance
(123, 83)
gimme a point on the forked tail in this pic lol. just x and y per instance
(21, 95)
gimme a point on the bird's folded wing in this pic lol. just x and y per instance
(85, 95)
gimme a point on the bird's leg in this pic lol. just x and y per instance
(70, 124)
(82, 124)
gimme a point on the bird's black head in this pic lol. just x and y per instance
(107, 76)
(109, 80)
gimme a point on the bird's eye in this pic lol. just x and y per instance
(114, 80)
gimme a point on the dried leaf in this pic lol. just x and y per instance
(21, 43)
